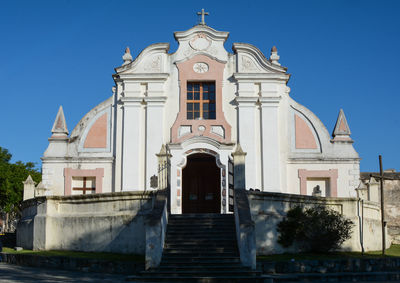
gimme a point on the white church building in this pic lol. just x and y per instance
(200, 130)
(197, 106)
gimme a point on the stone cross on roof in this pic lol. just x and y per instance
(202, 14)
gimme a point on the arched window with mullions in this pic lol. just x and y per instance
(200, 102)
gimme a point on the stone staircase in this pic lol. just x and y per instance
(200, 248)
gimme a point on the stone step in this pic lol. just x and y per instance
(182, 238)
(200, 250)
(188, 241)
(191, 229)
(201, 267)
(199, 279)
(201, 216)
(202, 233)
(200, 244)
(204, 254)
(198, 259)
(202, 273)
(214, 232)
(221, 226)
(199, 226)
(202, 262)
(204, 222)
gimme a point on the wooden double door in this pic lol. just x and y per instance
(201, 182)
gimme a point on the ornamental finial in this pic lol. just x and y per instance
(202, 14)
(127, 56)
(274, 56)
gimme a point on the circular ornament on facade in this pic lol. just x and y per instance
(200, 67)
(200, 42)
(202, 128)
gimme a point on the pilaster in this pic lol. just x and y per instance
(154, 132)
(246, 134)
(270, 146)
(132, 163)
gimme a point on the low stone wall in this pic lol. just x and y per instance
(268, 209)
(74, 264)
(329, 266)
(371, 190)
(111, 222)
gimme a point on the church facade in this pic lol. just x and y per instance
(192, 109)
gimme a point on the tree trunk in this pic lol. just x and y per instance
(6, 222)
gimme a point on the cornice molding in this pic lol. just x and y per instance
(153, 48)
(246, 48)
(261, 77)
(143, 77)
(212, 33)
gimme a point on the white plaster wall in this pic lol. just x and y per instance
(101, 222)
(347, 182)
(53, 174)
(268, 209)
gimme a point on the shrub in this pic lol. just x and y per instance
(315, 229)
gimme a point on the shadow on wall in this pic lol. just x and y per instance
(9, 240)
(268, 209)
(112, 222)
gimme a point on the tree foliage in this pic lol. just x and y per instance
(316, 229)
(11, 177)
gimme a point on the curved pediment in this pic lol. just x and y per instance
(201, 39)
(251, 60)
(212, 33)
(150, 60)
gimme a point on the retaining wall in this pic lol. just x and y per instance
(268, 209)
(111, 222)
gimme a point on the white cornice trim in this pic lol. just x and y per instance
(97, 159)
(270, 99)
(246, 100)
(321, 160)
(155, 98)
(201, 139)
(214, 34)
(260, 77)
(258, 55)
(143, 77)
(153, 48)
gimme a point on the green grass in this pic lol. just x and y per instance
(89, 255)
(394, 251)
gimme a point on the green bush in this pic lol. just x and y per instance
(315, 229)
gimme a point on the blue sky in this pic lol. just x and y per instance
(341, 54)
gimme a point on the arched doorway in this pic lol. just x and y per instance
(201, 181)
